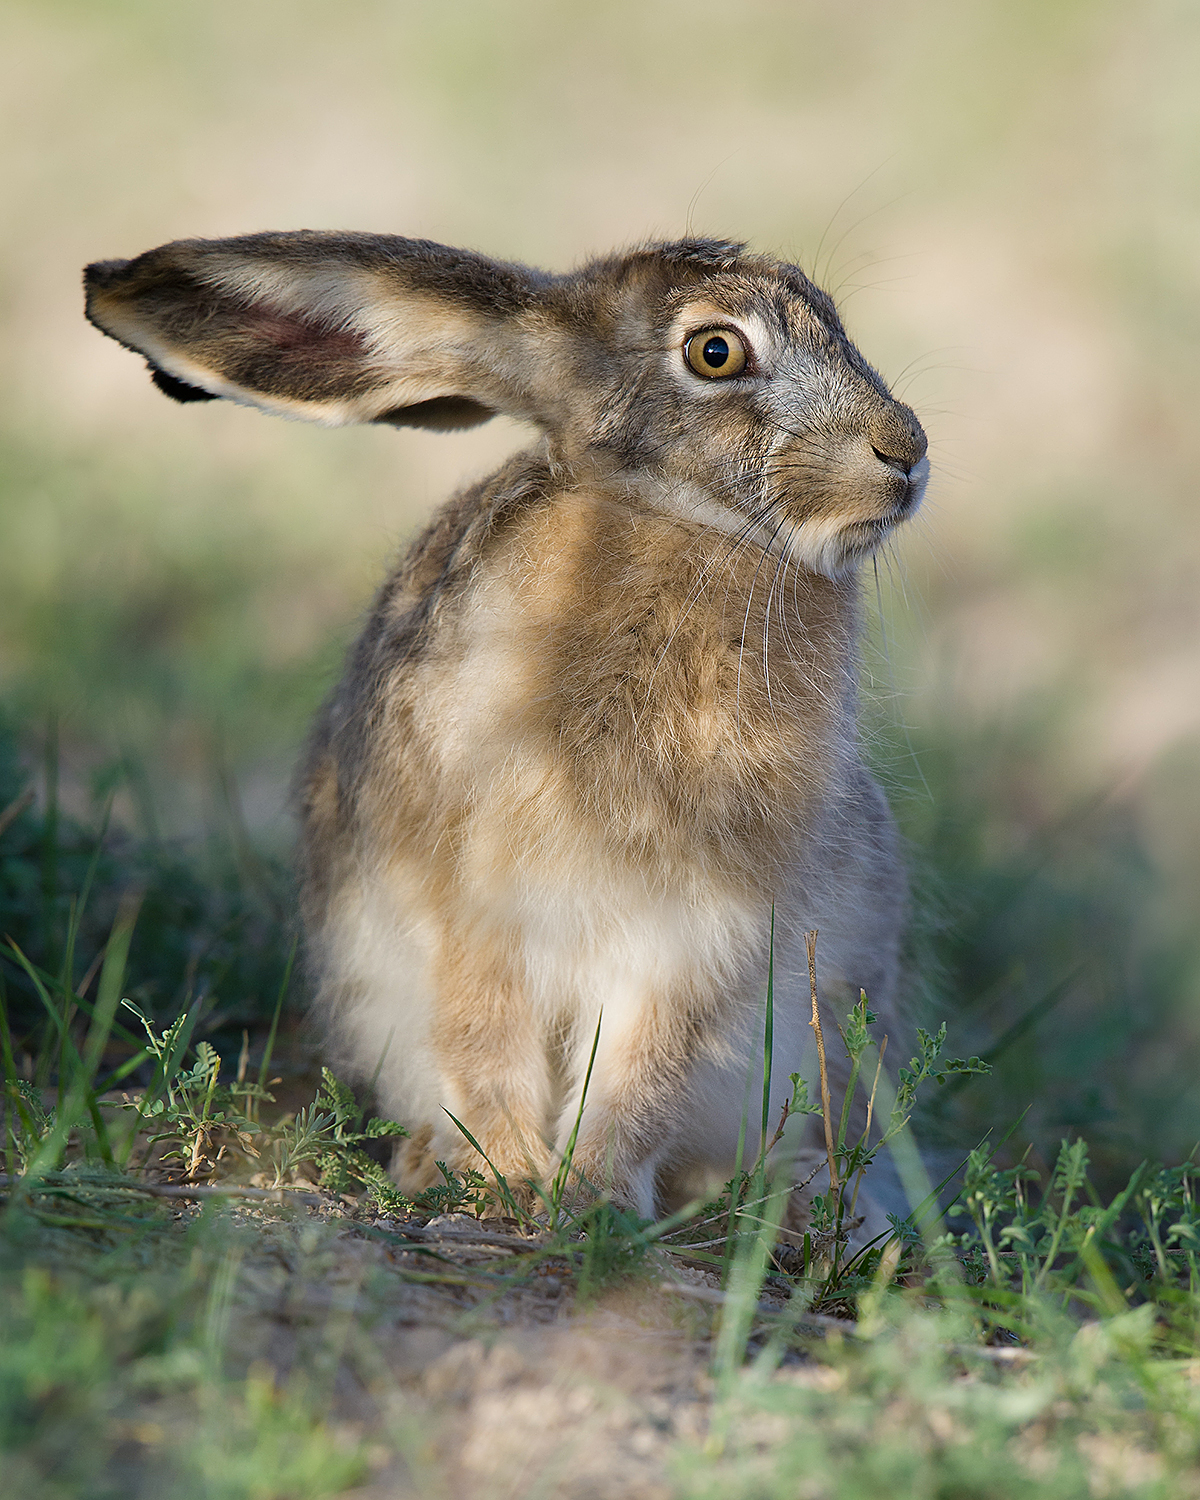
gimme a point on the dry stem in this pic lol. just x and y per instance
(778, 1136)
(15, 808)
(810, 942)
(867, 1131)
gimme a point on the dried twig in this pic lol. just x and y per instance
(778, 1136)
(717, 1298)
(416, 1232)
(1013, 1355)
(222, 1190)
(93, 970)
(810, 942)
(183, 1190)
(423, 1234)
(867, 1131)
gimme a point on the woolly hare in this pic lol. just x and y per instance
(600, 722)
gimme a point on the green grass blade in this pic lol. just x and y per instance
(108, 993)
(270, 1047)
(768, 1042)
(49, 841)
(11, 1095)
(506, 1194)
(34, 973)
(561, 1177)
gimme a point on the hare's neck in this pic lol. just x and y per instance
(696, 505)
(685, 669)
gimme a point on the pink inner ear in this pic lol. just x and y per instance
(295, 338)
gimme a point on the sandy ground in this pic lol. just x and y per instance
(472, 1388)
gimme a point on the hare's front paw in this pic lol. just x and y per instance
(602, 1172)
(511, 1172)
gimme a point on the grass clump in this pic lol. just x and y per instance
(212, 923)
(114, 1381)
(915, 1411)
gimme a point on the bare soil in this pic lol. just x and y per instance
(482, 1388)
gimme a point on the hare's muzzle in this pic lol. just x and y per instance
(901, 451)
(895, 475)
(844, 486)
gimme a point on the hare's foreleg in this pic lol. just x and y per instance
(438, 1025)
(490, 1053)
(630, 1116)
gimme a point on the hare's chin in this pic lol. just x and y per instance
(829, 546)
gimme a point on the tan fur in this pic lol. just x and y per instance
(601, 720)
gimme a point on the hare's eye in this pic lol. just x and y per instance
(716, 353)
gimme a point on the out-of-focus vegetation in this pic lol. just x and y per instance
(214, 932)
(1006, 198)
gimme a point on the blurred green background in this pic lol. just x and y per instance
(1005, 197)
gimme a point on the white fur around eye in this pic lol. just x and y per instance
(762, 347)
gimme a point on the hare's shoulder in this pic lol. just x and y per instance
(432, 575)
(430, 580)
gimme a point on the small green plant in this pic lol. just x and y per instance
(460, 1191)
(186, 1115)
(332, 1133)
(615, 1245)
(27, 1123)
(1041, 1236)
(194, 1112)
(990, 1196)
(755, 1198)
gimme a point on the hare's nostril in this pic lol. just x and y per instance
(905, 463)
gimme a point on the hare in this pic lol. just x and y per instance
(598, 735)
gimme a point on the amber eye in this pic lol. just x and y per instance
(716, 353)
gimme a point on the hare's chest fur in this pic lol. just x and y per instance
(591, 787)
(665, 702)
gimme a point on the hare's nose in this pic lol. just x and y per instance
(899, 441)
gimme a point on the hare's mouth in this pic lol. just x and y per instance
(901, 504)
(905, 488)
(915, 482)
(829, 540)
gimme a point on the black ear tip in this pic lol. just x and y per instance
(178, 390)
(102, 274)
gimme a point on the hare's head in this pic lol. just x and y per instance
(724, 383)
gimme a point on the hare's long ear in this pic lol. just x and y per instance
(334, 328)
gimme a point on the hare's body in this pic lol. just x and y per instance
(600, 725)
(582, 797)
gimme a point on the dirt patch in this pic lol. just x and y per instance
(483, 1371)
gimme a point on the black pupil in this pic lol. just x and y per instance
(716, 352)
